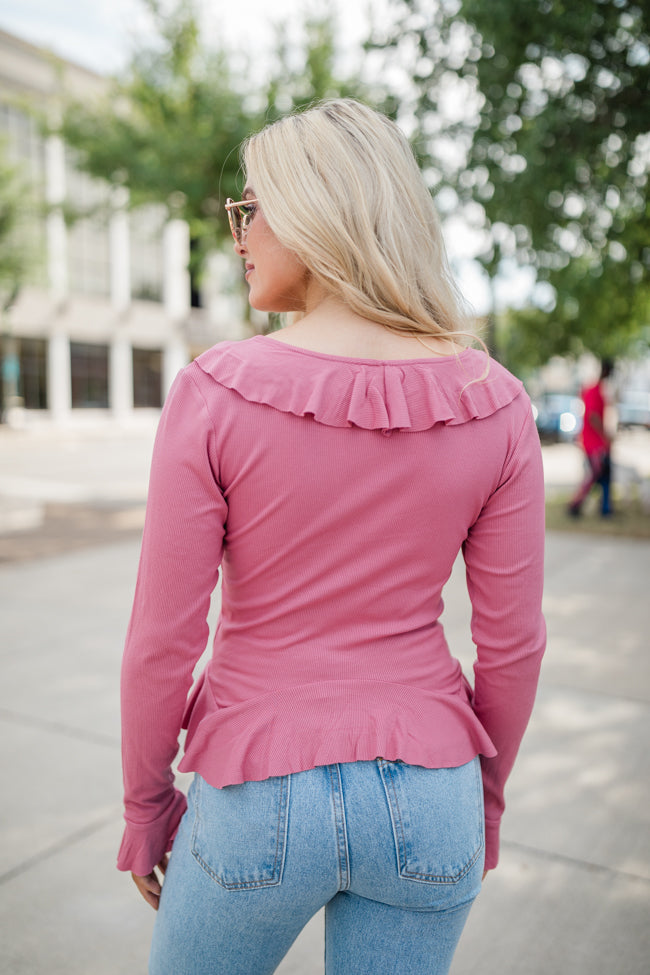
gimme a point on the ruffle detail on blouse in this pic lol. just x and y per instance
(303, 726)
(410, 395)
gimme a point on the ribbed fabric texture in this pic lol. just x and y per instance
(335, 495)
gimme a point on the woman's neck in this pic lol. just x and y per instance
(331, 327)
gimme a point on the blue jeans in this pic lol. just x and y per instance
(393, 851)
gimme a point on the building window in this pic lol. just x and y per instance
(33, 373)
(88, 238)
(24, 146)
(146, 226)
(147, 378)
(88, 249)
(23, 373)
(89, 375)
(25, 143)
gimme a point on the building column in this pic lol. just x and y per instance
(57, 234)
(120, 251)
(174, 359)
(176, 296)
(176, 274)
(120, 391)
(59, 377)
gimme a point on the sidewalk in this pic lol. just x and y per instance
(571, 895)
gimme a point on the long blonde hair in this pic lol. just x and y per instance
(339, 186)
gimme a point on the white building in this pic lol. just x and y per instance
(104, 321)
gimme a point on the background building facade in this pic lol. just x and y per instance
(103, 320)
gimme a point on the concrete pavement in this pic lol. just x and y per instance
(572, 892)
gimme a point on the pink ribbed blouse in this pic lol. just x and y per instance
(334, 495)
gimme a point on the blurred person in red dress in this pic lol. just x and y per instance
(596, 444)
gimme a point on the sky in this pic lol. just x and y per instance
(99, 34)
(93, 33)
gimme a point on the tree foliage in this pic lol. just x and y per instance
(171, 128)
(14, 256)
(299, 78)
(552, 143)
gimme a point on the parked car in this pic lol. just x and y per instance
(558, 416)
(634, 408)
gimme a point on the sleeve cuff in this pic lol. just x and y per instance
(144, 846)
(492, 843)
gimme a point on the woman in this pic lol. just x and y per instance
(333, 471)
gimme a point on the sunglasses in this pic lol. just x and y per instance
(239, 216)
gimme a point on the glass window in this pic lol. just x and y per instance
(25, 143)
(24, 148)
(89, 375)
(32, 382)
(147, 377)
(88, 250)
(146, 228)
(88, 237)
(9, 373)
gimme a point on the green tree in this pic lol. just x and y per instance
(553, 144)
(14, 258)
(300, 77)
(15, 262)
(169, 130)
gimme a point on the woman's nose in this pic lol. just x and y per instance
(240, 248)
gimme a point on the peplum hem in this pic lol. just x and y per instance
(409, 395)
(300, 727)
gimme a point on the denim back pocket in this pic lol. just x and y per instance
(240, 832)
(437, 817)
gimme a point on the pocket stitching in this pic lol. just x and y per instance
(277, 869)
(400, 840)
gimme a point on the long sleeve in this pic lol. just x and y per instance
(168, 630)
(504, 562)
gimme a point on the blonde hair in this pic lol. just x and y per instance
(339, 186)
